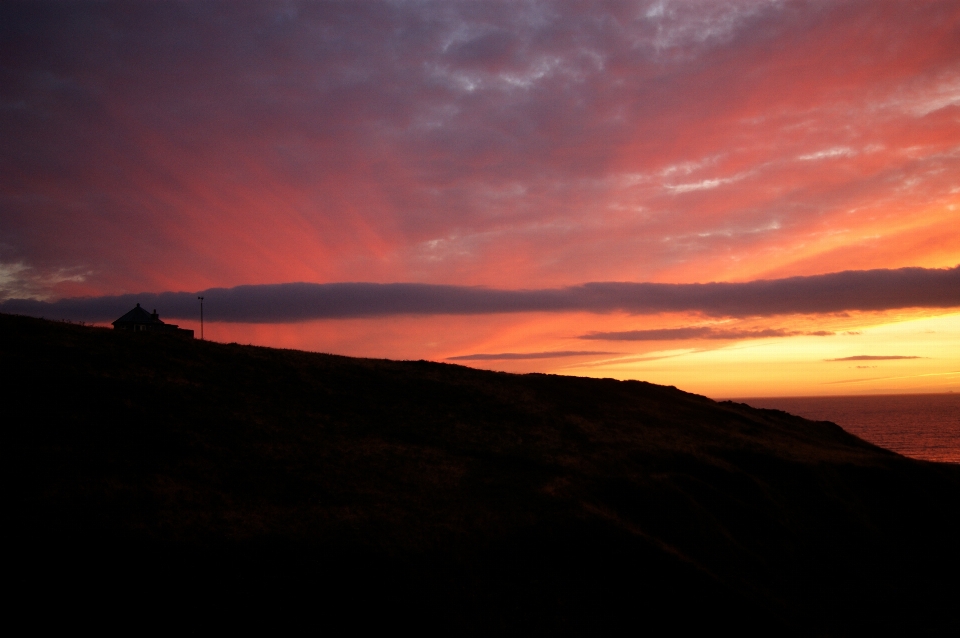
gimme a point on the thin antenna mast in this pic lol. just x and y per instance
(201, 317)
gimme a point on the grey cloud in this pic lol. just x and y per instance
(294, 302)
(865, 357)
(664, 334)
(668, 334)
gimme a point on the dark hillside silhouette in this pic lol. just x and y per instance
(465, 499)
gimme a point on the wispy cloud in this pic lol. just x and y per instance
(20, 281)
(838, 151)
(503, 356)
(669, 334)
(866, 357)
(909, 376)
(702, 185)
(631, 359)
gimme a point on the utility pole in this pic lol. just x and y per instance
(201, 317)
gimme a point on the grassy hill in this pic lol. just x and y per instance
(465, 499)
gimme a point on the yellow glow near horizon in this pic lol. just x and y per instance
(782, 366)
(809, 365)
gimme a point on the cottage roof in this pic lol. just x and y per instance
(138, 315)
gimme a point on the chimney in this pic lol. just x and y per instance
(155, 316)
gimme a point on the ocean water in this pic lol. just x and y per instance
(921, 426)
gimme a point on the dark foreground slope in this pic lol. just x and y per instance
(152, 468)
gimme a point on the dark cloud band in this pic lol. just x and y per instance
(295, 302)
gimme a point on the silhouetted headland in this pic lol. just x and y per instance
(454, 497)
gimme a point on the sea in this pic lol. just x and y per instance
(921, 426)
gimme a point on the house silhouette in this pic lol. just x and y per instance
(139, 320)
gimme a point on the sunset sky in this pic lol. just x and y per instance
(546, 180)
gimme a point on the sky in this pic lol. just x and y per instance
(739, 199)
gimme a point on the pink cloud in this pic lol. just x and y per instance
(170, 147)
